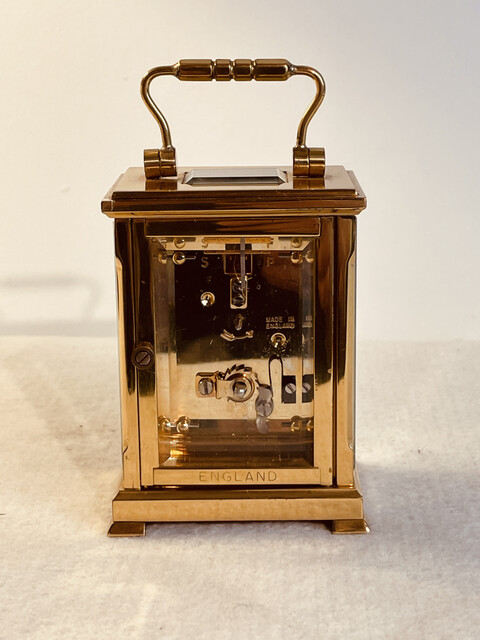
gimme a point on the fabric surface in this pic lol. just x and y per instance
(416, 575)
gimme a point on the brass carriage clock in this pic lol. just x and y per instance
(236, 304)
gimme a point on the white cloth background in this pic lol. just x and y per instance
(415, 576)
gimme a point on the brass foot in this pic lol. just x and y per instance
(349, 526)
(122, 529)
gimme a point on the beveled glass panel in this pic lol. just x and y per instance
(235, 176)
(234, 351)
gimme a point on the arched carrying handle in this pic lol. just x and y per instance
(307, 162)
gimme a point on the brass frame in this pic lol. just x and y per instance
(332, 494)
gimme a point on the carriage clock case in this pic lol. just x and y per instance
(236, 323)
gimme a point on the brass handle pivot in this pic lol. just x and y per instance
(307, 161)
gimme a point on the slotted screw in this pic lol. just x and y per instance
(142, 357)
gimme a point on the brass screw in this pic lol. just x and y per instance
(142, 357)
(164, 424)
(296, 257)
(183, 424)
(239, 390)
(278, 340)
(296, 242)
(179, 257)
(205, 386)
(207, 299)
(179, 242)
(296, 423)
(290, 387)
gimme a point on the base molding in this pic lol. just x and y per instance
(341, 506)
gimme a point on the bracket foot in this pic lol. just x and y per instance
(349, 526)
(123, 529)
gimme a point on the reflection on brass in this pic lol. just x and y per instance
(308, 163)
(161, 163)
(296, 423)
(236, 299)
(164, 423)
(238, 321)
(179, 257)
(296, 257)
(350, 526)
(312, 184)
(183, 424)
(278, 340)
(230, 337)
(207, 298)
(238, 384)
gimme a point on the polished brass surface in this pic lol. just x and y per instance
(350, 526)
(330, 256)
(236, 300)
(126, 345)
(307, 162)
(324, 341)
(209, 229)
(159, 163)
(133, 196)
(345, 354)
(234, 503)
(151, 254)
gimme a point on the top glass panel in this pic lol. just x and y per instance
(234, 176)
